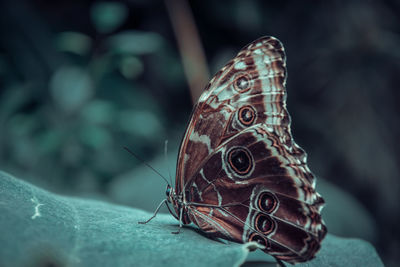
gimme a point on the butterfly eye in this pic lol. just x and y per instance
(242, 83)
(168, 191)
(264, 224)
(246, 115)
(267, 202)
(240, 160)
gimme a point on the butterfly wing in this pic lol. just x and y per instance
(250, 189)
(257, 76)
(239, 170)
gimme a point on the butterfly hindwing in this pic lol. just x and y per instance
(250, 190)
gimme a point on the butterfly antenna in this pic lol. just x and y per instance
(166, 159)
(145, 163)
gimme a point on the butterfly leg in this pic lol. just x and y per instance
(155, 213)
(180, 223)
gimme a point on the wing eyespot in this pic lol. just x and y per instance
(246, 115)
(242, 82)
(267, 202)
(264, 224)
(240, 161)
(254, 237)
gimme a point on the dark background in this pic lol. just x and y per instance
(81, 79)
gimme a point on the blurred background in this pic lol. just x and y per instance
(79, 80)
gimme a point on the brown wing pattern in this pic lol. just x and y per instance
(249, 188)
(241, 174)
(257, 76)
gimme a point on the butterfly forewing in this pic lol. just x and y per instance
(239, 172)
(240, 84)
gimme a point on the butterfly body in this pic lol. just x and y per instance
(240, 176)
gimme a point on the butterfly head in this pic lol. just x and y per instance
(179, 205)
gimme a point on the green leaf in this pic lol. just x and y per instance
(74, 42)
(38, 227)
(134, 42)
(71, 87)
(108, 16)
(81, 232)
(131, 67)
(149, 123)
(335, 251)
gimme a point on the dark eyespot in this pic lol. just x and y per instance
(240, 160)
(264, 224)
(257, 238)
(241, 83)
(246, 115)
(267, 202)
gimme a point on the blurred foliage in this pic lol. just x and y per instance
(108, 16)
(70, 125)
(81, 79)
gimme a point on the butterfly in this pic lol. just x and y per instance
(240, 176)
